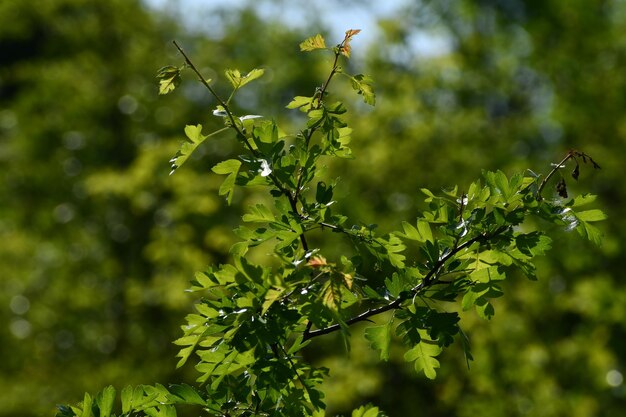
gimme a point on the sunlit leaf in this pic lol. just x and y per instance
(366, 411)
(237, 80)
(363, 85)
(105, 400)
(86, 406)
(169, 79)
(230, 168)
(594, 215)
(187, 394)
(533, 243)
(259, 213)
(193, 140)
(313, 43)
(423, 354)
(380, 338)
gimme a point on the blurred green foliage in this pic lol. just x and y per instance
(98, 242)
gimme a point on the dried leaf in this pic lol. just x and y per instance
(576, 172)
(345, 48)
(561, 188)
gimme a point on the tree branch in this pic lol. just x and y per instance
(291, 197)
(427, 281)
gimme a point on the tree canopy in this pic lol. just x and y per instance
(100, 242)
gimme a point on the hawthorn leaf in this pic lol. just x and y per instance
(423, 228)
(169, 79)
(380, 338)
(591, 215)
(533, 243)
(251, 76)
(187, 394)
(259, 214)
(410, 232)
(366, 411)
(590, 232)
(346, 49)
(423, 354)
(301, 102)
(237, 80)
(105, 400)
(362, 84)
(127, 399)
(271, 296)
(87, 402)
(313, 43)
(230, 168)
(193, 140)
(488, 274)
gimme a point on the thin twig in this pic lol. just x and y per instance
(560, 165)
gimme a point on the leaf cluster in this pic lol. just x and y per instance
(253, 320)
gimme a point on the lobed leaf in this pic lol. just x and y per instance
(260, 214)
(187, 394)
(423, 354)
(237, 80)
(313, 43)
(380, 339)
(230, 168)
(105, 400)
(301, 102)
(169, 79)
(193, 140)
(367, 411)
(363, 85)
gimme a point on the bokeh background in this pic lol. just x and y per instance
(98, 242)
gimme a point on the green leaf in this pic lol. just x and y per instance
(231, 168)
(127, 399)
(590, 232)
(86, 406)
(394, 285)
(190, 342)
(491, 273)
(187, 394)
(313, 43)
(363, 85)
(424, 354)
(324, 193)
(301, 101)
(380, 338)
(271, 296)
(237, 80)
(169, 79)
(485, 309)
(423, 228)
(259, 214)
(443, 327)
(105, 401)
(251, 76)
(429, 195)
(410, 232)
(582, 200)
(366, 411)
(591, 215)
(533, 243)
(193, 140)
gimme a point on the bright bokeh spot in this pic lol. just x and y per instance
(614, 378)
